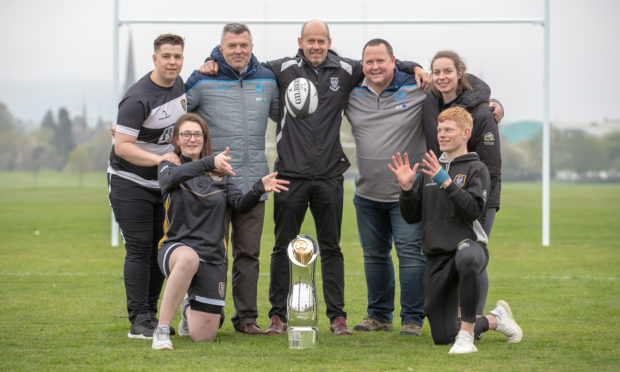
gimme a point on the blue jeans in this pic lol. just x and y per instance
(379, 225)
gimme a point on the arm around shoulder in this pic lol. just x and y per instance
(275, 65)
(126, 148)
(407, 66)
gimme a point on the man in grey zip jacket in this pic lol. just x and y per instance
(385, 112)
(236, 104)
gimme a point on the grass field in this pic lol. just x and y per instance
(62, 295)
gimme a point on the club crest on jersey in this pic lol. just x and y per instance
(216, 178)
(334, 84)
(488, 138)
(459, 179)
(184, 104)
(260, 88)
(221, 289)
(401, 95)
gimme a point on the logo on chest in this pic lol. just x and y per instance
(164, 115)
(459, 179)
(334, 84)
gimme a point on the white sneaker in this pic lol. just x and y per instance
(506, 324)
(464, 344)
(183, 326)
(161, 338)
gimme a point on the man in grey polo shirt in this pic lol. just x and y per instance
(385, 112)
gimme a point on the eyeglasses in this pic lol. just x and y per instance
(187, 135)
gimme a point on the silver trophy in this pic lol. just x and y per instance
(302, 309)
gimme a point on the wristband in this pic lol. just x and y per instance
(441, 177)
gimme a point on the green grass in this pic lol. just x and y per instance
(62, 295)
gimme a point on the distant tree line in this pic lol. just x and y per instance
(574, 155)
(63, 143)
(59, 143)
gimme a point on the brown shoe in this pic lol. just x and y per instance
(411, 329)
(276, 326)
(373, 325)
(339, 327)
(251, 329)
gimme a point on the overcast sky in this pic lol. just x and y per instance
(68, 40)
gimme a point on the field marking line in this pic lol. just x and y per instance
(569, 277)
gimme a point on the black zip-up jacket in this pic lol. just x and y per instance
(451, 215)
(195, 201)
(310, 148)
(484, 138)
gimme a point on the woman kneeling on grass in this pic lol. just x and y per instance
(192, 253)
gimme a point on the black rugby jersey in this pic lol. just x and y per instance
(147, 112)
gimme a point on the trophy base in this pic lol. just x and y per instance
(302, 337)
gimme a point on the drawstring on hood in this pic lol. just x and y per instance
(444, 160)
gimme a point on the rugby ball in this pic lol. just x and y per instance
(301, 98)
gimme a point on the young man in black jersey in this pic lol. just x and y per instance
(449, 197)
(146, 116)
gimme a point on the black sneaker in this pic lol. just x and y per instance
(142, 327)
(155, 322)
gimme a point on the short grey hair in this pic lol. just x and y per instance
(235, 28)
